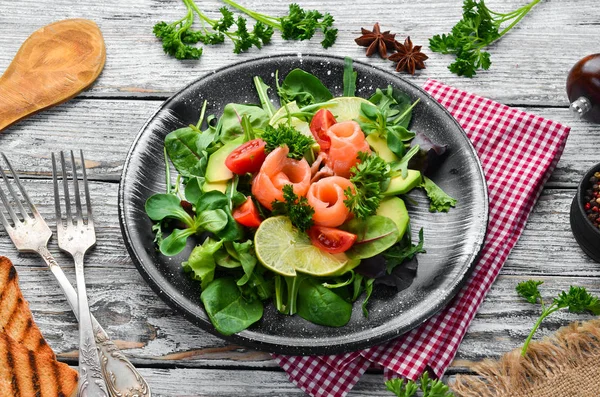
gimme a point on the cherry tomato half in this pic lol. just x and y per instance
(331, 239)
(247, 214)
(319, 125)
(247, 158)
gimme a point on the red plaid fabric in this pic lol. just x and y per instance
(518, 152)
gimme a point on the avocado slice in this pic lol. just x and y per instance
(380, 146)
(216, 170)
(399, 185)
(395, 209)
(209, 186)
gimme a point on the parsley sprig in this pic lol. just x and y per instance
(577, 300)
(478, 28)
(296, 208)
(284, 134)
(179, 37)
(370, 177)
(299, 24)
(409, 388)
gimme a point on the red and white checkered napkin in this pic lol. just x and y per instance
(518, 152)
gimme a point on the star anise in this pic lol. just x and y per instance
(376, 41)
(408, 58)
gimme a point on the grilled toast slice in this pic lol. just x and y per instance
(15, 317)
(28, 366)
(23, 373)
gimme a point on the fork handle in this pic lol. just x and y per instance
(122, 378)
(91, 380)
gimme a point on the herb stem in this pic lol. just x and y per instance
(524, 12)
(256, 15)
(167, 170)
(202, 113)
(545, 313)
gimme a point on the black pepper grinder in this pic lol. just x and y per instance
(583, 88)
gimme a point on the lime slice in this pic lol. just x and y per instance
(346, 108)
(282, 248)
(281, 117)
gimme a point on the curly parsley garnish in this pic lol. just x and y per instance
(296, 208)
(577, 300)
(370, 178)
(297, 142)
(478, 28)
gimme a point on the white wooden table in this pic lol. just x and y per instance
(529, 71)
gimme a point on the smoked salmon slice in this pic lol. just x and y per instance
(277, 171)
(347, 139)
(327, 197)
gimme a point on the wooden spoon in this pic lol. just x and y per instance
(53, 65)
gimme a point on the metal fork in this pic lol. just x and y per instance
(76, 236)
(30, 233)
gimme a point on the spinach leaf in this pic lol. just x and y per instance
(304, 88)
(186, 148)
(231, 121)
(349, 78)
(227, 309)
(201, 262)
(375, 234)
(322, 306)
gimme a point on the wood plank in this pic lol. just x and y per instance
(105, 129)
(208, 382)
(526, 69)
(152, 333)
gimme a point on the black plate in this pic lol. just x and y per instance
(452, 240)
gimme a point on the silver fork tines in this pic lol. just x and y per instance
(76, 238)
(29, 232)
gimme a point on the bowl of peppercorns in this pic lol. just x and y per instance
(585, 213)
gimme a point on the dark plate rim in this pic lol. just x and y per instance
(252, 339)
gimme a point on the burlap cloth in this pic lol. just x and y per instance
(563, 365)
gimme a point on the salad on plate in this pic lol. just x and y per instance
(301, 206)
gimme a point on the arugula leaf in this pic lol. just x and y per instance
(402, 165)
(349, 78)
(439, 200)
(577, 300)
(297, 143)
(296, 208)
(478, 28)
(403, 251)
(265, 101)
(370, 177)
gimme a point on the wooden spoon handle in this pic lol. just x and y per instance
(53, 65)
